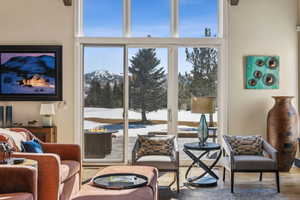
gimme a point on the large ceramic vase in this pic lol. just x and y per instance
(282, 129)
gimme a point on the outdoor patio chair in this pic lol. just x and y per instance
(163, 163)
(250, 163)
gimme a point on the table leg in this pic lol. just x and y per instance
(208, 170)
(194, 162)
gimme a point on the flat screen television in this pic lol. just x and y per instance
(30, 73)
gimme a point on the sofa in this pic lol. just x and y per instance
(18, 183)
(59, 169)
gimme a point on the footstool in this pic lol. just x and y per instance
(148, 192)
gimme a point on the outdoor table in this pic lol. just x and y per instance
(208, 177)
(98, 144)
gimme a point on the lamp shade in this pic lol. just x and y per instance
(47, 109)
(203, 105)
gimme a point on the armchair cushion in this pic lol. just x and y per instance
(246, 145)
(159, 162)
(251, 162)
(68, 169)
(158, 145)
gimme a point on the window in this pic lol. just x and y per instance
(198, 18)
(153, 40)
(103, 129)
(150, 18)
(102, 18)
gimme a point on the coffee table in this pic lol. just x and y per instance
(120, 181)
(27, 163)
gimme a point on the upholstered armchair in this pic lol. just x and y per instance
(18, 183)
(59, 169)
(250, 163)
(163, 163)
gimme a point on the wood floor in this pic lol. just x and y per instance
(247, 186)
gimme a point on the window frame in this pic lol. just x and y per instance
(173, 43)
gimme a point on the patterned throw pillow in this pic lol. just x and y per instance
(13, 138)
(246, 145)
(155, 145)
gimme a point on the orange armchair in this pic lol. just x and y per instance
(18, 182)
(59, 170)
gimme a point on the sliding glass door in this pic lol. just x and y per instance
(148, 91)
(103, 127)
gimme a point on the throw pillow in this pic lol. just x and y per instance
(32, 146)
(246, 145)
(13, 138)
(155, 145)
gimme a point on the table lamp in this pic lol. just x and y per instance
(47, 110)
(203, 105)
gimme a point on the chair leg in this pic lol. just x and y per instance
(277, 182)
(260, 176)
(177, 175)
(232, 181)
(224, 173)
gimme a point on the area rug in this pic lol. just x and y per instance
(222, 194)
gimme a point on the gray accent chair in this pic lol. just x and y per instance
(250, 163)
(162, 162)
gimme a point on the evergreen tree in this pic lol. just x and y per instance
(147, 84)
(204, 72)
(93, 98)
(184, 95)
(107, 96)
(117, 95)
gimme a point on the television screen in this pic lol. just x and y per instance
(30, 73)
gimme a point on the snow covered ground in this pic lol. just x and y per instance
(116, 113)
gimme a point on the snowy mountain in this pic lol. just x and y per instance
(103, 76)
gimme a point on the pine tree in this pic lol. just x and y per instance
(204, 72)
(107, 96)
(117, 95)
(147, 84)
(93, 98)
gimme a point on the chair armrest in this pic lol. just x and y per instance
(134, 151)
(270, 150)
(228, 151)
(48, 173)
(175, 152)
(65, 151)
(18, 179)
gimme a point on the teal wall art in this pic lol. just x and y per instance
(262, 72)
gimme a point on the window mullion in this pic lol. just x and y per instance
(126, 18)
(174, 18)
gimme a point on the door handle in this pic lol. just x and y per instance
(169, 114)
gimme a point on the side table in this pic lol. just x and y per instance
(45, 134)
(208, 177)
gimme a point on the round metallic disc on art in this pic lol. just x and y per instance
(257, 74)
(252, 82)
(269, 79)
(260, 62)
(272, 63)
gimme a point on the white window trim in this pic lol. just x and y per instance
(221, 42)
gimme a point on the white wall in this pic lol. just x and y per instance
(42, 22)
(260, 27)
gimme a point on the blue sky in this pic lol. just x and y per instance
(103, 18)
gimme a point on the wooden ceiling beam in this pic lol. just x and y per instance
(67, 2)
(234, 2)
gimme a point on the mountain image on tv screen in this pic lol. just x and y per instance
(27, 73)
